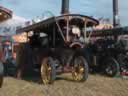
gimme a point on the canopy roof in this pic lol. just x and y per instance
(5, 14)
(90, 22)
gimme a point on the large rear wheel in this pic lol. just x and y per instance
(48, 71)
(80, 69)
(1, 74)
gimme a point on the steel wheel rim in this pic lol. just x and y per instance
(46, 73)
(78, 70)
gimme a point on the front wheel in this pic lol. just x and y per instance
(111, 67)
(48, 71)
(80, 69)
(1, 74)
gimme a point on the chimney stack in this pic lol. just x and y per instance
(65, 7)
(115, 13)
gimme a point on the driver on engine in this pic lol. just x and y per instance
(75, 33)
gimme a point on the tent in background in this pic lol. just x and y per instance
(8, 28)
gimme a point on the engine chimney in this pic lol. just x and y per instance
(65, 7)
(115, 13)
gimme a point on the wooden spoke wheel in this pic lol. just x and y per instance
(80, 69)
(1, 74)
(48, 71)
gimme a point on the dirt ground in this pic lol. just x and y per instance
(96, 85)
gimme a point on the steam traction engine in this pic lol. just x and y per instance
(58, 45)
(69, 43)
(109, 51)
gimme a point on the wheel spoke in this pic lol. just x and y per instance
(78, 69)
(46, 73)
